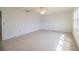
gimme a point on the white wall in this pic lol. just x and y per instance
(16, 22)
(75, 28)
(59, 21)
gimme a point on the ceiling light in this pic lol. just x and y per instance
(43, 10)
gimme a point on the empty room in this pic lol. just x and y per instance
(39, 29)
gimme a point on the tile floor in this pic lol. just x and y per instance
(42, 40)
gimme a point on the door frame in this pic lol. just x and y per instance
(0, 25)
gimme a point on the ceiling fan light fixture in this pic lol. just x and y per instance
(43, 10)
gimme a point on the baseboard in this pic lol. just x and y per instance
(55, 31)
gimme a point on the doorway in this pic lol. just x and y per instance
(0, 25)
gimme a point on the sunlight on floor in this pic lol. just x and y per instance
(60, 43)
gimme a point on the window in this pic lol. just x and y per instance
(76, 19)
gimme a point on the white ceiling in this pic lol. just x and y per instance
(58, 9)
(50, 9)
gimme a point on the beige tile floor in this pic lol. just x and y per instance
(42, 40)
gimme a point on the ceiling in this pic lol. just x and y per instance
(50, 9)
